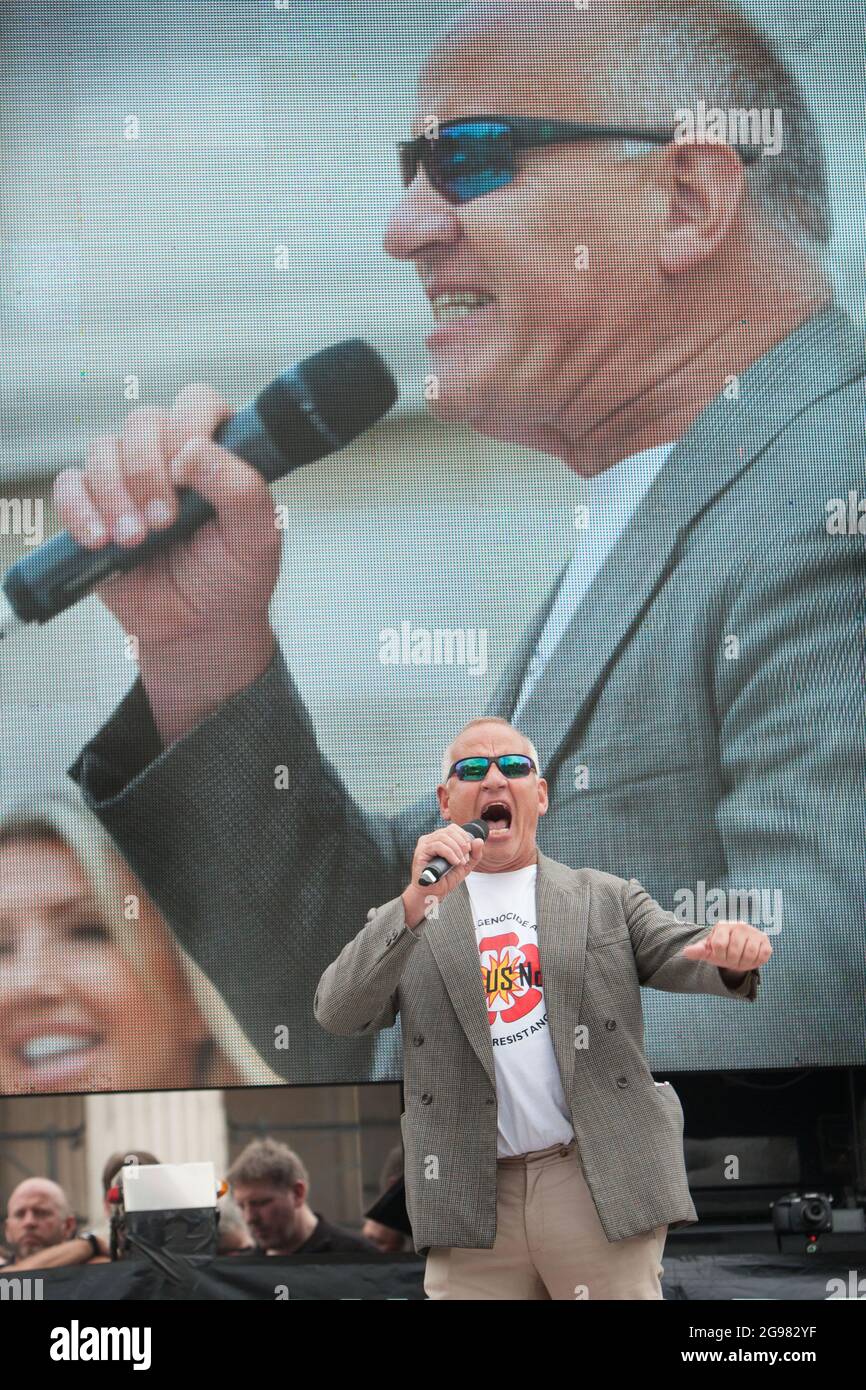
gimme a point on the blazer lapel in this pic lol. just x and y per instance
(451, 937)
(504, 698)
(563, 922)
(720, 446)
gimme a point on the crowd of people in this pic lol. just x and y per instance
(265, 1210)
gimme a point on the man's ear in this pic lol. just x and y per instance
(706, 191)
(442, 794)
(543, 797)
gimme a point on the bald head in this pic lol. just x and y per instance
(628, 60)
(547, 44)
(468, 742)
(529, 22)
(37, 1216)
(42, 1189)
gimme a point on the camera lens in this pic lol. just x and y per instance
(814, 1213)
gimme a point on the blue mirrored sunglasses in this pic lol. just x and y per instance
(476, 769)
(467, 158)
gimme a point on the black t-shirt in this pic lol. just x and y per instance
(333, 1239)
(328, 1239)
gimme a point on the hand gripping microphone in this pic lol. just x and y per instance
(439, 867)
(315, 409)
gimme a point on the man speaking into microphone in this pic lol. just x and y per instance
(542, 1160)
(693, 681)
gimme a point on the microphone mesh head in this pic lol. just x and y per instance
(324, 403)
(351, 386)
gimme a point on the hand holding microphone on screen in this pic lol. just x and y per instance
(223, 576)
(172, 525)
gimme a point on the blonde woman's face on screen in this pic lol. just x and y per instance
(75, 1015)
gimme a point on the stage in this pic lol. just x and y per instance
(740, 1263)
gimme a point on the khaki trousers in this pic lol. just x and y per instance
(549, 1242)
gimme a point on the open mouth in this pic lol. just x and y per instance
(448, 308)
(458, 315)
(498, 817)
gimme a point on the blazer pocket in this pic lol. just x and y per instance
(612, 938)
(646, 751)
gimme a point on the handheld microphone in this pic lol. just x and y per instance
(439, 867)
(315, 409)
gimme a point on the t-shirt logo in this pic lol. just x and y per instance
(512, 976)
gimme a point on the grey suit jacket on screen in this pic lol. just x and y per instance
(701, 725)
(599, 939)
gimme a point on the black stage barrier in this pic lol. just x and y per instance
(721, 1277)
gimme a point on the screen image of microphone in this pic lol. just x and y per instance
(313, 410)
(439, 867)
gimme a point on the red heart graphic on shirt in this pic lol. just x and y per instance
(511, 974)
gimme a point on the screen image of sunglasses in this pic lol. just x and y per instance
(464, 159)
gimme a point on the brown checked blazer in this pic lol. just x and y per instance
(600, 938)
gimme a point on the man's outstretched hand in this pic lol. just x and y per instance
(735, 947)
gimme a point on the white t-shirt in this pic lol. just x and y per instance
(533, 1113)
(612, 498)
